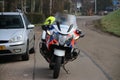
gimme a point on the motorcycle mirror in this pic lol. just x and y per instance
(78, 31)
(82, 35)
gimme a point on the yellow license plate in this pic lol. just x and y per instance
(2, 47)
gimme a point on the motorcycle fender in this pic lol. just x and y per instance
(59, 52)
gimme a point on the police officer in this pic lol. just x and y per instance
(48, 22)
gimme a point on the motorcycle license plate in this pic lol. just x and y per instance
(2, 47)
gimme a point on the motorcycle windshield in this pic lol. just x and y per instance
(66, 23)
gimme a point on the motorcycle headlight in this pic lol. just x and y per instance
(68, 41)
(62, 39)
(16, 38)
(48, 32)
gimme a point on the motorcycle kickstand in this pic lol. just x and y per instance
(67, 71)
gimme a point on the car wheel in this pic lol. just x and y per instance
(33, 49)
(25, 56)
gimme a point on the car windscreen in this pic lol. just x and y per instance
(11, 22)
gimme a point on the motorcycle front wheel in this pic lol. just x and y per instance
(51, 66)
(57, 66)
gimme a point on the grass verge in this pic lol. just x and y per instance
(110, 23)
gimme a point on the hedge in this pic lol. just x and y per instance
(35, 18)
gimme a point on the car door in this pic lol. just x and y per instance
(30, 33)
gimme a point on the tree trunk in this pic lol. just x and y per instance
(32, 6)
(41, 6)
(58, 6)
(24, 6)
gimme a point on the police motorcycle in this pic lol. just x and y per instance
(59, 46)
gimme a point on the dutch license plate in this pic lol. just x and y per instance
(2, 47)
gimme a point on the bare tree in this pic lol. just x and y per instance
(41, 6)
(24, 6)
(32, 6)
(10, 5)
(58, 6)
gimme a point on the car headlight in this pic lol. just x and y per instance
(16, 38)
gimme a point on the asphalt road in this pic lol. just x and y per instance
(85, 67)
(102, 47)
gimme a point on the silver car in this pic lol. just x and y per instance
(16, 35)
